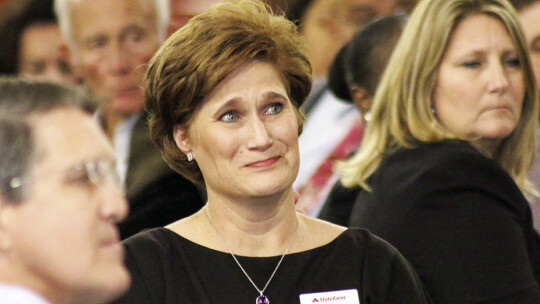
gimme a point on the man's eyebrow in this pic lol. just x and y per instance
(134, 27)
(95, 37)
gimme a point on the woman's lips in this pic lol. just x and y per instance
(264, 163)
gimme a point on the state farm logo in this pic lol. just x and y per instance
(329, 299)
(347, 296)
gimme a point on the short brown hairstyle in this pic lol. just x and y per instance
(196, 58)
(521, 4)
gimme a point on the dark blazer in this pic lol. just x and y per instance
(460, 220)
(157, 195)
(338, 204)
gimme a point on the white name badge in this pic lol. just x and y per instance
(348, 296)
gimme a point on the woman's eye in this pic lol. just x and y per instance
(97, 43)
(64, 67)
(274, 109)
(512, 62)
(80, 178)
(38, 68)
(471, 64)
(230, 116)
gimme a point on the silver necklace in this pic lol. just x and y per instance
(262, 298)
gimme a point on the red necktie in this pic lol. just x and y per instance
(313, 191)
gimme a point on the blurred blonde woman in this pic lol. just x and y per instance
(444, 160)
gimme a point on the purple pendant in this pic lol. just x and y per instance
(262, 299)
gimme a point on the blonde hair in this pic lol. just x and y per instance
(401, 112)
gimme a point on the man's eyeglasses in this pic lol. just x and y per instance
(96, 172)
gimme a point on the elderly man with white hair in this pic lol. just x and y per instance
(109, 43)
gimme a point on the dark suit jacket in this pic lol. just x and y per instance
(157, 195)
(460, 220)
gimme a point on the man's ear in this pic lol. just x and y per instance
(6, 216)
(182, 139)
(361, 98)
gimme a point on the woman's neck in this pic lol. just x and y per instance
(488, 147)
(252, 227)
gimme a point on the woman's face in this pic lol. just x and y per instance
(530, 20)
(245, 136)
(480, 87)
(40, 57)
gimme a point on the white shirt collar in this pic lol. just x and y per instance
(122, 143)
(12, 294)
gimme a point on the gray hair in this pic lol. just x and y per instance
(62, 10)
(20, 99)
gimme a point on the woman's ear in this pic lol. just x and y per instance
(361, 98)
(182, 139)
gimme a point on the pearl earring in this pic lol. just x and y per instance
(189, 156)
